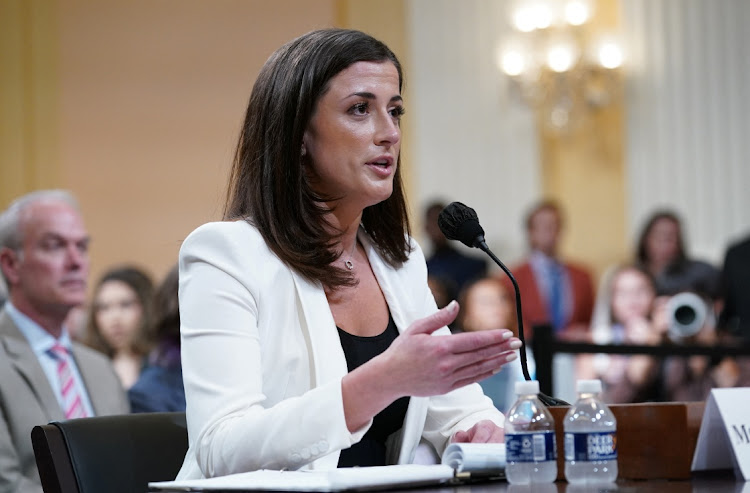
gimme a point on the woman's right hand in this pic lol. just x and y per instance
(420, 364)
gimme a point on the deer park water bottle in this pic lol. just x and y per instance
(530, 448)
(590, 437)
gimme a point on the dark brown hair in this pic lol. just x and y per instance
(642, 253)
(141, 284)
(167, 307)
(268, 185)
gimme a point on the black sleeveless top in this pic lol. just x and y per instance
(370, 451)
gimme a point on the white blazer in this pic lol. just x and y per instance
(262, 361)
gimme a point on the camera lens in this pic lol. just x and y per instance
(684, 315)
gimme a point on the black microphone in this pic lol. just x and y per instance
(460, 222)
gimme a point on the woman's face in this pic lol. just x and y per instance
(632, 297)
(353, 140)
(487, 307)
(118, 314)
(663, 242)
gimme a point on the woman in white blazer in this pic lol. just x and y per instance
(310, 339)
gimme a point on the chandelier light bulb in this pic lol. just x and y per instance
(560, 58)
(610, 55)
(524, 19)
(513, 63)
(577, 13)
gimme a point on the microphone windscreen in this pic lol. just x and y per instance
(460, 222)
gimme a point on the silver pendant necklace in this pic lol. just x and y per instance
(348, 263)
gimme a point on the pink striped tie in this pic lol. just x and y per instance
(72, 404)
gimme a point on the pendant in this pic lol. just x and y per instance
(349, 265)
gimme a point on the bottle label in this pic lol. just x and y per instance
(591, 446)
(530, 447)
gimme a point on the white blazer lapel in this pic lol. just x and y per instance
(328, 358)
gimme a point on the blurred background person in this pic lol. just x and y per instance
(76, 322)
(661, 251)
(159, 387)
(735, 317)
(553, 291)
(439, 290)
(446, 264)
(486, 304)
(692, 378)
(630, 295)
(44, 375)
(120, 318)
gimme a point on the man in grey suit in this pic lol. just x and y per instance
(44, 376)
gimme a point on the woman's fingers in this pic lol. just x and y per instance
(477, 370)
(433, 322)
(484, 431)
(470, 342)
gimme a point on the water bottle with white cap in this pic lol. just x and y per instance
(530, 448)
(590, 437)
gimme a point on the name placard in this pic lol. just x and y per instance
(724, 437)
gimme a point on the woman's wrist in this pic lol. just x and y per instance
(365, 392)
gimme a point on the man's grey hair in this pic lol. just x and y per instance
(11, 235)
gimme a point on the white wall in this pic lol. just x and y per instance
(688, 121)
(471, 142)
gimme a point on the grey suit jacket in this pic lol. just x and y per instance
(27, 400)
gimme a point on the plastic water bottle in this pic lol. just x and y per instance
(530, 447)
(590, 437)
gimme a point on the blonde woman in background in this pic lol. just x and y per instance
(629, 297)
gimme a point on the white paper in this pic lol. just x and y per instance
(475, 457)
(724, 437)
(458, 457)
(357, 478)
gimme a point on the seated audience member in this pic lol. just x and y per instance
(446, 262)
(120, 319)
(439, 290)
(44, 376)
(631, 296)
(661, 251)
(76, 322)
(553, 291)
(692, 378)
(306, 320)
(486, 304)
(159, 388)
(735, 317)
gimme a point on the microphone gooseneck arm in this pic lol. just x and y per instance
(482, 245)
(546, 399)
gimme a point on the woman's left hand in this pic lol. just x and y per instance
(483, 432)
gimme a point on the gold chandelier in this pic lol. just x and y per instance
(558, 64)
